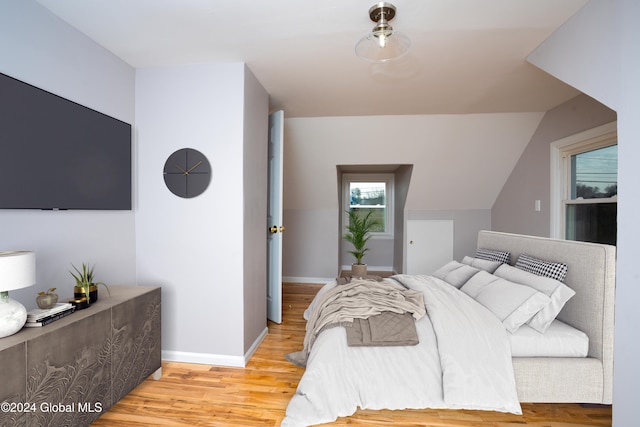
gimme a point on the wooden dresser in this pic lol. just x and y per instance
(74, 369)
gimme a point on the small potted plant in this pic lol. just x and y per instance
(85, 286)
(358, 234)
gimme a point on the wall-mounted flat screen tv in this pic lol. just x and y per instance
(57, 154)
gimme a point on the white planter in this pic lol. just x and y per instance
(358, 270)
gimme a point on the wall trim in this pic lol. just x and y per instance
(215, 359)
(370, 268)
(323, 280)
(203, 358)
(313, 280)
(255, 345)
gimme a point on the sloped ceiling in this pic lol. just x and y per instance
(467, 56)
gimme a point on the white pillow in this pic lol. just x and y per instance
(512, 303)
(455, 273)
(554, 289)
(446, 269)
(482, 264)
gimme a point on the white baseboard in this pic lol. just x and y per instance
(203, 358)
(370, 268)
(322, 280)
(293, 279)
(255, 345)
(215, 359)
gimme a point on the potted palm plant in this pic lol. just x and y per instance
(358, 234)
(85, 287)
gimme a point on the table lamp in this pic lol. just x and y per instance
(17, 271)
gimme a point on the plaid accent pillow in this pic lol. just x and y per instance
(554, 270)
(493, 255)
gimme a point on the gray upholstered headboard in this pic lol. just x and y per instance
(591, 273)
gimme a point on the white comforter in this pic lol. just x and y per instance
(463, 361)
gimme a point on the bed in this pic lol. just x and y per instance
(449, 367)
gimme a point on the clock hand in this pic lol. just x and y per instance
(178, 166)
(193, 167)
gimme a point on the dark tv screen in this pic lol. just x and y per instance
(57, 154)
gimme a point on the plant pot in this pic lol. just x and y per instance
(93, 293)
(79, 303)
(358, 270)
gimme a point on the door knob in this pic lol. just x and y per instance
(273, 229)
(282, 228)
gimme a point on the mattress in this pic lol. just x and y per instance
(462, 361)
(559, 340)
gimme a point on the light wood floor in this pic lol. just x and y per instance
(204, 395)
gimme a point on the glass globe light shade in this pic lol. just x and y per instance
(383, 45)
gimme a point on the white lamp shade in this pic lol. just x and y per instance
(17, 270)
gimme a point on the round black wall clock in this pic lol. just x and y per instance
(187, 173)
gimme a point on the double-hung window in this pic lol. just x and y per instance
(370, 193)
(589, 185)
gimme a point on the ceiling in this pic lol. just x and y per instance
(467, 56)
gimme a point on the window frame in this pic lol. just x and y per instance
(388, 179)
(561, 152)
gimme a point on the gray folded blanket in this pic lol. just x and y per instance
(358, 299)
(384, 329)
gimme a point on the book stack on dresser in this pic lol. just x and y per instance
(39, 317)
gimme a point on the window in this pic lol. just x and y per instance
(371, 193)
(591, 209)
(589, 188)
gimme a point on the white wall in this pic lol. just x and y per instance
(530, 180)
(597, 52)
(194, 248)
(626, 385)
(38, 48)
(254, 208)
(460, 164)
(585, 59)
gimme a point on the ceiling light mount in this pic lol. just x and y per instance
(383, 43)
(382, 10)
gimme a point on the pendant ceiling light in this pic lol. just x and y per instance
(383, 43)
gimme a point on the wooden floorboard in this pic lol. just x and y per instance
(257, 395)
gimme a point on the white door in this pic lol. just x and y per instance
(429, 245)
(274, 219)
